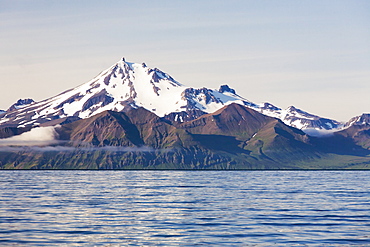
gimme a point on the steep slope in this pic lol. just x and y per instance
(234, 119)
(134, 128)
(6, 132)
(101, 130)
(248, 130)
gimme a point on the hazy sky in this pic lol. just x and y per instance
(312, 54)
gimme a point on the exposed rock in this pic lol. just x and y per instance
(20, 104)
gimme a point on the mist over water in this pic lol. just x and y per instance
(186, 208)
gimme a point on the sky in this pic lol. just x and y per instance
(312, 54)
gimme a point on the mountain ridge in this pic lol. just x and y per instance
(127, 84)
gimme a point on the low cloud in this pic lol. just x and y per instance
(34, 137)
(44, 139)
(319, 132)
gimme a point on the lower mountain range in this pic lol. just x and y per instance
(158, 123)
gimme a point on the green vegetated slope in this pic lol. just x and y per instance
(234, 137)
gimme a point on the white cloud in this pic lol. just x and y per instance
(44, 139)
(34, 137)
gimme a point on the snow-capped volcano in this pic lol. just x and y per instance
(123, 85)
(128, 85)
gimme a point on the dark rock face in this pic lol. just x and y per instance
(268, 106)
(183, 116)
(226, 88)
(101, 97)
(233, 119)
(7, 132)
(157, 74)
(20, 103)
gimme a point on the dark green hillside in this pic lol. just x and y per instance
(235, 137)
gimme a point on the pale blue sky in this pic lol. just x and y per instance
(314, 55)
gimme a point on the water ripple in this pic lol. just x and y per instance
(187, 208)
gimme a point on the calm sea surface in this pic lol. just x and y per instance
(186, 208)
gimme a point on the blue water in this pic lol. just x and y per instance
(186, 208)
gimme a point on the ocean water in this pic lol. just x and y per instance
(184, 208)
